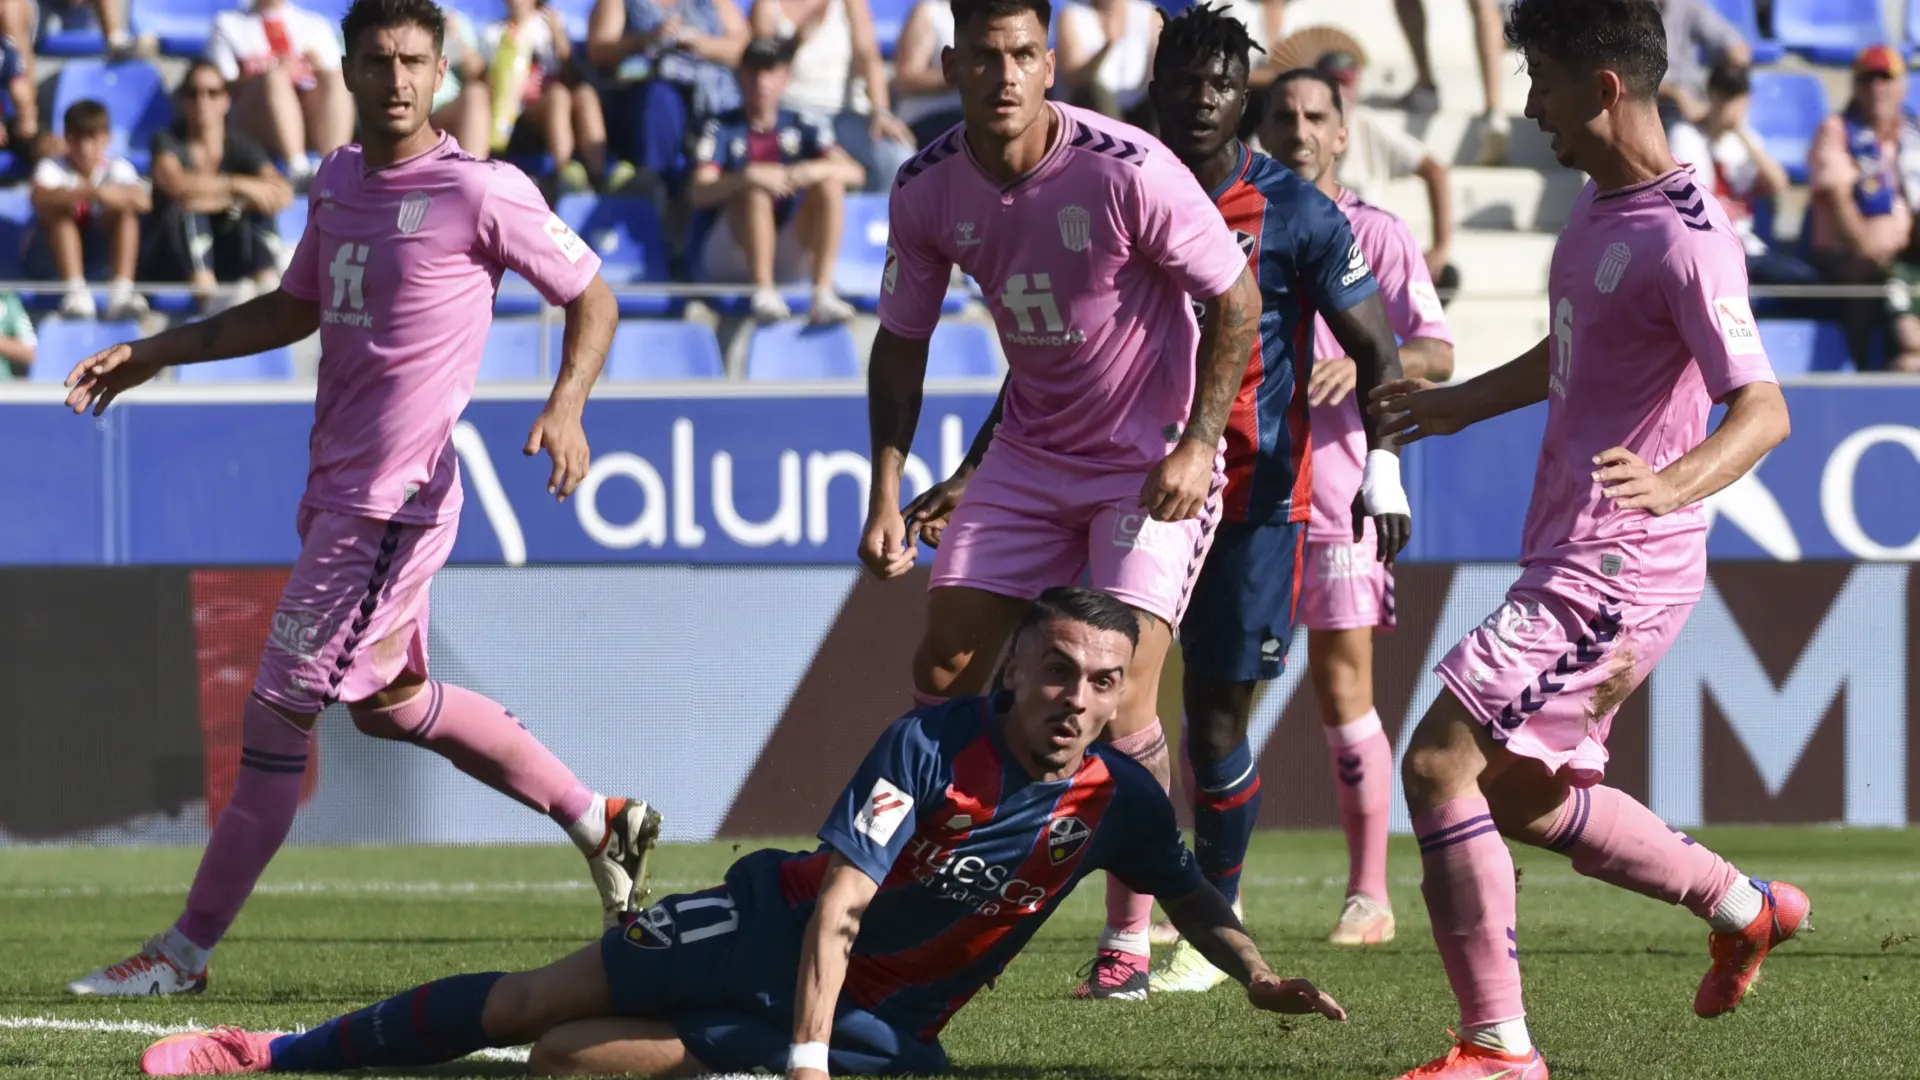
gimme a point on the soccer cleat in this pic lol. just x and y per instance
(147, 973)
(620, 868)
(1363, 921)
(1737, 955)
(1185, 971)
(223, 1051)
(1469, 1062)
(1114, 976)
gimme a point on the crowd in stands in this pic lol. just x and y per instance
(751, 129)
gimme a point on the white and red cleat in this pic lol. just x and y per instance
(1115, 976)
(1469, 1062)
(224, 1051)
(1737, 956)
(147, 973)
(620, 868)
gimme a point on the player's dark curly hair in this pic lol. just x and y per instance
(367, 15)
(1202, 32)
(965, 11)
(1622, 36)
(1102, 611)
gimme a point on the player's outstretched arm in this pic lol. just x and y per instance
(1413, 409)
(272, 321)
(1755, 423)
(591, 318)
(927, 515)
(844, 894)
(1204, 918)
(1366, 334)
(896, 373)
(1176, 489)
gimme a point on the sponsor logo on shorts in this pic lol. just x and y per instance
(1143, 533)
(1610, 565)
(652, 928)
(1065, 837)
(301, 632)
(1270, 649)
(1340, 562)
(880, 816)
(1519, 625)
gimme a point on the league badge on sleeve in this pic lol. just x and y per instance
(880, 816)
(565, 238)
(1742, 334)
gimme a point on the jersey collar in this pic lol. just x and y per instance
(1062, 138)
(1236, 174)
(391, 166)
(1635, 189)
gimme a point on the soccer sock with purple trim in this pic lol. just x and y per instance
(1226, 801)
(1471, 899)
(1611, 837)
(438, 1021)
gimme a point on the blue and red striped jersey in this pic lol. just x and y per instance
(1304, 256)
(973, 855)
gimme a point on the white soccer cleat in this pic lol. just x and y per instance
(147, 973)
(619, 868)
(1185, 972)
(1363, 921)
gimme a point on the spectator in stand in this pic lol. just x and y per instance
(282, 66)
(1695, 29)
(538, 101)
(779, 181)
(1105, 52)
(1267, 22)
(87, 207)
(1489, 35)
(22, 126)
(18, 343)
(839, 81)
(215, 196)
(668, 66)
(462, 105)
(927, 104)
(1864, 169)
(1729, 158)
(111, 18)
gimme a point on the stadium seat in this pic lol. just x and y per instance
(1742, 15)
(574, 13)
(650, 349)
(273, 366)
(513, 351)
(292, 222)
(1828, 31)
(136, 101)
(794, 350)
(1799, 346)
(963, 350)
(863, 250)
(181, 27)
(627, 235)
(16, 218)
(332, 10)
(889, 18)
(64, 343)
(1788, 106)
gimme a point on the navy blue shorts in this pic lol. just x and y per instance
(1239, 623)
(724, 978)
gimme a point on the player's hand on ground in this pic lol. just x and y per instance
(96, 381)
(565, 441)
(930, 511)
(1176, 489)
(1632, 484)
(1412, 409)
(885, 545)
(1332, 380)
(1271, 993)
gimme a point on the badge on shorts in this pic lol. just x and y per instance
(300, 632)
(652, 928)
(1610, 565)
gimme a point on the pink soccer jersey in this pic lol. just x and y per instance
(404, 261)
(1651, 326)
(1413, 307)
(1087, 263)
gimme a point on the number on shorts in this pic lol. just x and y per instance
(688, 937)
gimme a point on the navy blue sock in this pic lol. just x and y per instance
(1225, 805)
(435, 1022)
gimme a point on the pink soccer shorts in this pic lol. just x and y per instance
(1346, 587)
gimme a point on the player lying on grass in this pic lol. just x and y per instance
(962, 832)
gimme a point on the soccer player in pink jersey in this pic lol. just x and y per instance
(1651, 327)
(1346, 593)
(1088, 238)
(405, 244)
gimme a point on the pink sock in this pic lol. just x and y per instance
(1471, 898)
(1129, 912)
(266, 795)
(1612, 838)
(1363, 768)
(486, 742)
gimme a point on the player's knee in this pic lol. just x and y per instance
(378, 722)
(511, 1015)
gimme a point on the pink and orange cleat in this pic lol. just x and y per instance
(1737, 956)
(1469, 1062)
(224, 1051)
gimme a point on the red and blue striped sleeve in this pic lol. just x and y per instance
(901, 780)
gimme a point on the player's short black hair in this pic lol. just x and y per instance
(367, 15)
(1306, 75)
(965, 11)
(1622, 36)
(1201, 33)
(1102, 611)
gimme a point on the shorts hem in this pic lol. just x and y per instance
(1373, 624)
(1474, 704)
(997, 588)
(1138, 602)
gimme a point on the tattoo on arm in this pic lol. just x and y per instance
(1226, 344)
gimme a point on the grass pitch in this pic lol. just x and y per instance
(1610, 976)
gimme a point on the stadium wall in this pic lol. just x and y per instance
(740, 698)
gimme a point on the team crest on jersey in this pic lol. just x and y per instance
(652, 928)
(413, 211)
(1076, 228)
(1613, 266)
(1065, 837)
(1248, 242)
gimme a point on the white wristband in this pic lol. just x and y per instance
(1380, 489)
(811, 1055)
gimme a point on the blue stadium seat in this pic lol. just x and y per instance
(1788, 106)
(1828, 31)
(292, 221)
(796, 350)
(646, 349)
(1913, 84)
(513, 350)
(627, 235)
(889, 18)
(963, 350)
(333, 10)
(64, 343)
(574, 13)
(1799, 346)
(16, 218)
(136, 101)
(273, 366)
(863, 249)
(1742, 15)
(181, 27)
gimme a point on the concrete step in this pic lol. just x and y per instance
(1490, 199)
(1488, 331)
(1503, 263)
(1449, 42)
